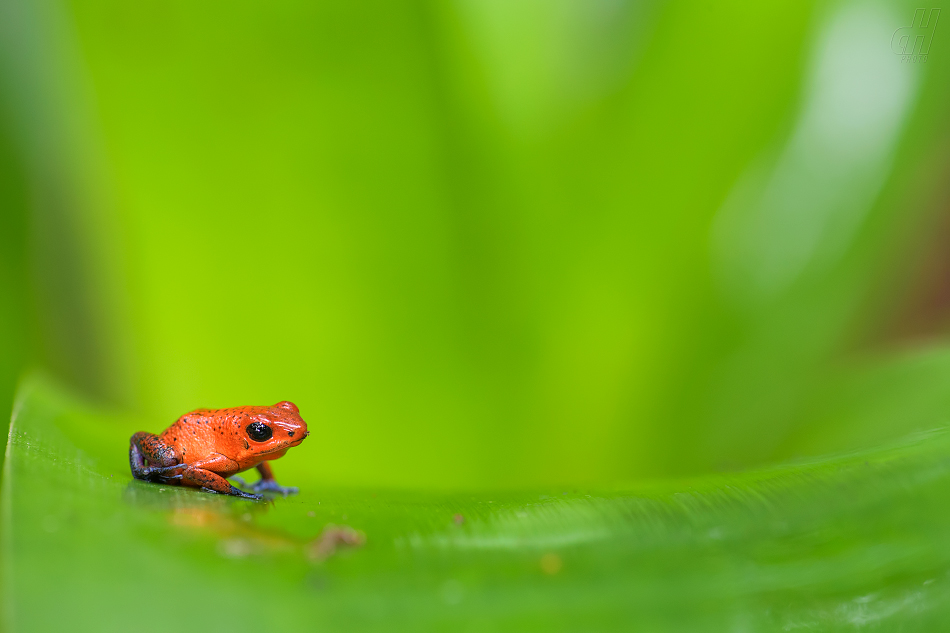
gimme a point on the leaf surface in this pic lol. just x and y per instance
(843, 543)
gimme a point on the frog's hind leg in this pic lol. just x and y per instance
(212, 482)
(150, 458)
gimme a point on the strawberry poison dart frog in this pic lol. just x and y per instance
(205, 447)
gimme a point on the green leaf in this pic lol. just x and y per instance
(839, 544)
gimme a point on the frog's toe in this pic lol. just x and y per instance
(269, 485)
(237, 492)
(234, 492)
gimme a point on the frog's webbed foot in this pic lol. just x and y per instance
(162, 474)
(270, 485)
(265, 485)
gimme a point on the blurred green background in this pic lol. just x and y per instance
(483, 243)
(603, 314)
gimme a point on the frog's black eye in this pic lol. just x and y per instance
(259, 432)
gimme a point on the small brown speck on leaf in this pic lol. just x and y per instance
(332, 537)
(459, 519)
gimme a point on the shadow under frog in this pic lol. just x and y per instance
(230, 526)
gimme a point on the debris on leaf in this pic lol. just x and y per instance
(334, 536)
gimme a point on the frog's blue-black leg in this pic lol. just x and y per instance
(267, 483)
(212, 482)
(151, 459)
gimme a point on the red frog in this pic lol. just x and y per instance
(205, 447)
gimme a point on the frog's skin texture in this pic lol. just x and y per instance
(205, 447)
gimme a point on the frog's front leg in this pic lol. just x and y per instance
(212, 482)
(150, 458)
(267, 483)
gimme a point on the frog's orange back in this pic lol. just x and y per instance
(246, 435)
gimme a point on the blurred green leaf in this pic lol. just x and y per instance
(630, 238)
(843, 543)
(13, 276)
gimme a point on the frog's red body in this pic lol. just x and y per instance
(205, 447)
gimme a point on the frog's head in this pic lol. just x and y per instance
(270, 431)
